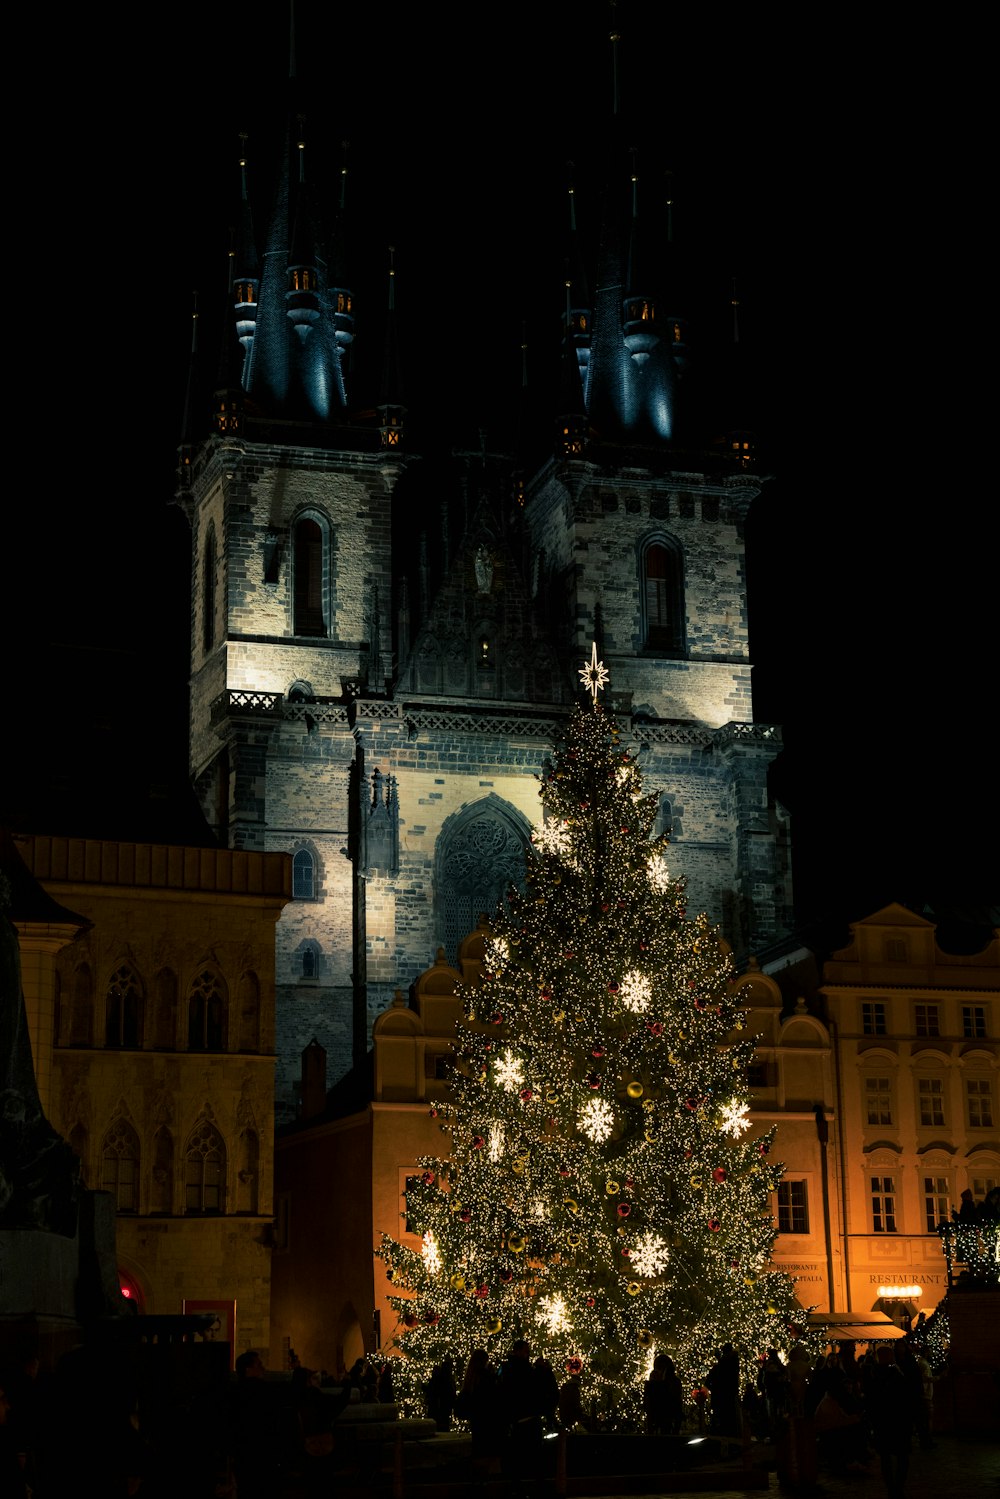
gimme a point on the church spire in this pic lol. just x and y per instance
(391, 410)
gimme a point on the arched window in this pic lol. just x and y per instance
(249, 1172)
(123, 1010)
(479, 855)
(165, 1010)
(205, 1170)
(120, 1166)
(662, 596)
(310, 564)
(161, 1196)
(303, 875)
(207, 1013)
(248, 1007)
(208, 592)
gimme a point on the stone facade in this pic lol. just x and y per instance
(154, 1033)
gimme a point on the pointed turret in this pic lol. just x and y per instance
(391, 410)
(246, 273)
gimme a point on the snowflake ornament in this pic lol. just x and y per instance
(733, 1119)
(649, 1256)
(508, 1072)
(552, 1314)
(596, 1119)
(635, 992)
(553, 837)
(659, 876)
(495, 1143)
(431, 1254)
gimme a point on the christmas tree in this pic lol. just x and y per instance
(597, 1194)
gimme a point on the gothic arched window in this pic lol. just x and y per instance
(303, 875)
(205, 1170)
(480, 855)
(123, 1010)
(120, 1166)
(662, 596)
(310, 568)
(82, 1008)
(207, 1013)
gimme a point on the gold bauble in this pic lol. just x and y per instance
(456, 1206)
(515, 1244)
(457, 1281)
(493, 1325)
(611, 1187)
(634, 1090)
(634, 1288)
(571, 1204)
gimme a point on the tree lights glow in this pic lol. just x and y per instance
(617, 1208)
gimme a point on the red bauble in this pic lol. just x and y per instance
(409, 1320)
(465, 1215)
(546, 994)
(574, 1366)
(564, 1170)
(594, 1080)
(478, 1142)
(432, 1319)
(763, 1147)
(719, 1175)
(428, 1178)
(525, 1095)
(598, 1051)
(655, 1028)
(506, 1276)
(612, 988)
(591, 1301)
(714, 1225)
(691, 1103)
(481, 1291)
(624, 1208)
(496, 1019)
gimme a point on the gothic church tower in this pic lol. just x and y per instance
(381, 655)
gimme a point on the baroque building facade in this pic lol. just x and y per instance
(384, 646)
(150, 1006)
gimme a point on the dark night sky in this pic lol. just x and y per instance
(808, 168)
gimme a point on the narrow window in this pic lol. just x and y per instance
(205, 1170)
(663, 597)
(883, 1205)
(249, 1173)
(308, 563)
(936, 1198)
(974, 1021)
(123, 1011)
(120, 1166)
(873, 1017)
(878, 1100)
(927, 1020)
(82, 1007)
(206, 1014)
(930, 1091)
(165, 1014)
(793, 1210)
(980, 1104)
(303, 875)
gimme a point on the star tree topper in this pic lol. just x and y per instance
(593, 674)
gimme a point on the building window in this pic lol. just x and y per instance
(873, 1017)
(309, 963)
(207, 1013)
(309, 563)
(895, 950)
(120, 1166)
(303, 875)
(123, 1010)
(974, 1021)
(205, 1170)
(663, 597)
(930, 1092)
(248, 1175)
(82, 1007)
(878, 1100)
(248, 1009)
(883, 1205)
(927, 1020)
(980, 1104)
(982, 1186)
(793, 1209)
(757, 1075)
(936, 1198)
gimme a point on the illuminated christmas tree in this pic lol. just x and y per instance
(596, 1192)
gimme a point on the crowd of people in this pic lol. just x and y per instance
(858, 1414)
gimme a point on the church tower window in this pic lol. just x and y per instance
(208, 592)
(310, 566)
(303, 875)
(663, 597)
